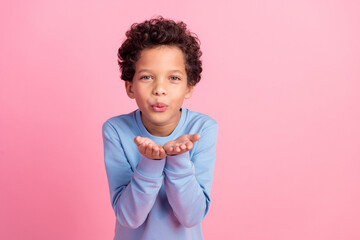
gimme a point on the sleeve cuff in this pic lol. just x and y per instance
(150, 167)
(179, 163)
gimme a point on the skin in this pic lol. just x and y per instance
(160, 76)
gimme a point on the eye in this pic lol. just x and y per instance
(175, 78)
(145, 77)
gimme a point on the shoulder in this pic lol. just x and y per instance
(207, 127)
(201, 120)
(119, 122)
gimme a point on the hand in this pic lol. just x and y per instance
(182, 144)
(149, 149)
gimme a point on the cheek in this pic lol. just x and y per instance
(140, 90)
(176, 93)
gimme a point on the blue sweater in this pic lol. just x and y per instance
(159, 199)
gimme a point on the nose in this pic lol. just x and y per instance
(159, 89)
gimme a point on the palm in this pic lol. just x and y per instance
(181, 145)
(149, 148)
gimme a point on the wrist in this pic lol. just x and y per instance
(178, 162)
(150, 167)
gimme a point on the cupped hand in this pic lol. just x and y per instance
(182, 144)
(149, 148)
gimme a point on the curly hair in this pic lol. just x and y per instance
(155, 32)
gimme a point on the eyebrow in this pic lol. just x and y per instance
(171, 71)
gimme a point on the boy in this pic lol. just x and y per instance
(159, 159)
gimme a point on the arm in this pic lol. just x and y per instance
(132, 193)
(188, 183)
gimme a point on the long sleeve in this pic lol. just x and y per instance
(188, 181)
(132, 192)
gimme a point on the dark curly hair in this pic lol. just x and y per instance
(159, 31)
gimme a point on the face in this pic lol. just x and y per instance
(159, 86)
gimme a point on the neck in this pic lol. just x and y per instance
(161, 130)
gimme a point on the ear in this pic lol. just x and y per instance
(129, 90)
(189, 91)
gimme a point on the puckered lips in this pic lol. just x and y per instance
(159, 107)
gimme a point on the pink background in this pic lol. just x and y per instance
(282, 78)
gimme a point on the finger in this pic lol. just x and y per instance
(167, 147)
(169, 150)
(189, 145)
(137, 140)
(194, 137)
(183, 146)
(177, 149)
(156, 152)
(157, 147)
(162, 153)
(149, 150)
(159, 152)
(142, 147)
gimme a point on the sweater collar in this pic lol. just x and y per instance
(161, 140)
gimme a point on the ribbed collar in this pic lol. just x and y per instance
(161, 140)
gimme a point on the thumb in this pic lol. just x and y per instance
(194, 137)
(137, 140)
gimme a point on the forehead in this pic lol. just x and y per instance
(161, 57)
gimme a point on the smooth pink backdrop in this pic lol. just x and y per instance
(282, 78)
